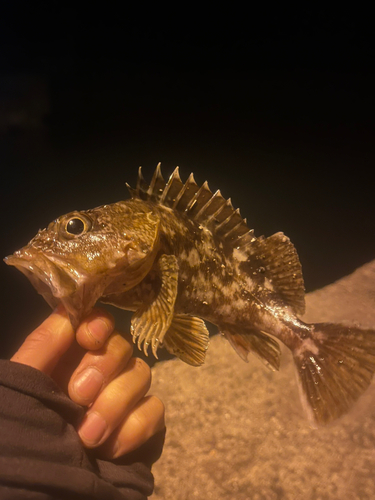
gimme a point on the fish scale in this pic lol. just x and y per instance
(177, 255)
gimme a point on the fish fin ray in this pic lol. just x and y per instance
(142, 186)
(150, 322)
(188, 339)
(335, 366)
(148, 192)
(279, 259)
(258, 343)
(208, 210)
(186, 194)
(172, 188)
(157, 185)
(196, 202)
(132, 191)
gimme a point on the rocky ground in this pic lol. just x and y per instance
(237, 431)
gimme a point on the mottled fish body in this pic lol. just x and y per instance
(176, 254)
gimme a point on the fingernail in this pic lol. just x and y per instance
(93, 429)
(88, 384)
(99, 329)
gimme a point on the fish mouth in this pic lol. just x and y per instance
(51, 281)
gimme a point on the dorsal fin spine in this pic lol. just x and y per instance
(246, 239)
(205, 211)
(198, 203)
(226, 221)
(142, 186)
(189, 194)
(174, 178)
(220, 201)
(157, 184)
(195, 198)
(240, 231)
(201, 197)
(232, 229)
(132, 191)
(188, 184)
(216, 215)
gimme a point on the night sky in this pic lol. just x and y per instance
(277, 112)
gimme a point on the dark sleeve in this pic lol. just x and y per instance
(41, 455)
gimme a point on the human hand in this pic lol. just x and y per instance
(96, 368)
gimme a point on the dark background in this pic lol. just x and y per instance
(275, 109)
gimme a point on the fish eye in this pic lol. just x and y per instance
(75, 226)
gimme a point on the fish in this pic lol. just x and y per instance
(178, 255)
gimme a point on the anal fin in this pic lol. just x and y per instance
(188, 339)
(256, 342)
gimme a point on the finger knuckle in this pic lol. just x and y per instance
(117, 350)
(142, 368)
(150, 415)
(118, 344)
(158, 407)
(36, 340)
(41, 334)
(47, 333)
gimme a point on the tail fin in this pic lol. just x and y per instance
(335, 366)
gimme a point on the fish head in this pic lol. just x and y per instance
(83, 255)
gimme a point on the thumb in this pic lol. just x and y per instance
(43, 348)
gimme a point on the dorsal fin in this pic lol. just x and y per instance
(198, 203)
(279, 260)
(275, 254)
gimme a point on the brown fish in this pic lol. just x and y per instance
(175, 253)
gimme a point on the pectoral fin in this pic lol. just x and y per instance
(151, 321)
(188, 339)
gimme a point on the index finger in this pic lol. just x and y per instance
(43, 348)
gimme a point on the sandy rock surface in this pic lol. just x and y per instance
(237, 431)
